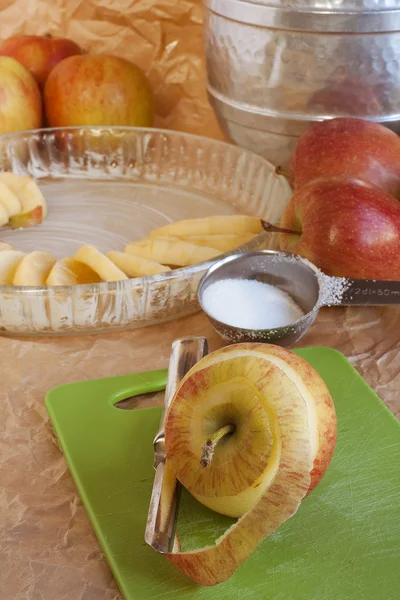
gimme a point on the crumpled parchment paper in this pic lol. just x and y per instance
(48, 550)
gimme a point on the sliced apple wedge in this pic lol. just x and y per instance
(250, 431)
(6, 246)
(9, 261)
(9, 200)
(24, 220)
(217, 225)
(135, 266)
(223, 243)
(99, 263)
(33, 207)
(34, 269)
(4, 216)
(171, 252)
(69, 271)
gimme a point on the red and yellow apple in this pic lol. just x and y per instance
(346, 227)
(38, 53)
(250, 431)
(98, 90)
(21, 105)
(349, 147)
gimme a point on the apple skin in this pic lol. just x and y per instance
(350, 147)
(21, 105)
(324, 410)
(98, 90)
(39, 54)
(347, 227)
(307, 423)
(29, 219)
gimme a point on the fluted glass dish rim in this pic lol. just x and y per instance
(129, 285)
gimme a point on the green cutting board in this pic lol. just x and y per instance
(343, 543)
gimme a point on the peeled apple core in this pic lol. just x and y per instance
(244, 459)
(261, 467)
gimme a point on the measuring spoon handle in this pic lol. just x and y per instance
(363, 292)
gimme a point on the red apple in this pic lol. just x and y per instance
(98, 90)
(346, 227)
(39, 54)
(350, 147)
(21, 105)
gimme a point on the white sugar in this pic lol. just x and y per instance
(250, 304)
(334, 289)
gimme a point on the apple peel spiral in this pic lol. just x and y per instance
(271, 423)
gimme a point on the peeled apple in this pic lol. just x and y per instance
(279, 430)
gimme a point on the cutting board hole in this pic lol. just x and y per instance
(140, 401)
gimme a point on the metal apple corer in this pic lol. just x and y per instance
(165, 496)
(302, 281)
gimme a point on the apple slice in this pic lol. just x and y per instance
(4, 216)
(278, 429)
(220, 224)
(135, 266)
(34, 268)
(171, 252)
(9, 200)
(99, 263)
(28, 219)
(9, 261)
(223, 243)
(33, 205)
(6, 246)
(69, 271)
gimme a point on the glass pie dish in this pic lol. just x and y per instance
(110, 186)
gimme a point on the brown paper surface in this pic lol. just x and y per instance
(48, 550)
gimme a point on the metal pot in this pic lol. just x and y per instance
(274, 66)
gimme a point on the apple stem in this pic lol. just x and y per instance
(269, 228)
(210, 445)
(287, 174)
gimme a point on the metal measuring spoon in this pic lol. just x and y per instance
(303, 281)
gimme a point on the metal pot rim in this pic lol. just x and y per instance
(253, 12)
